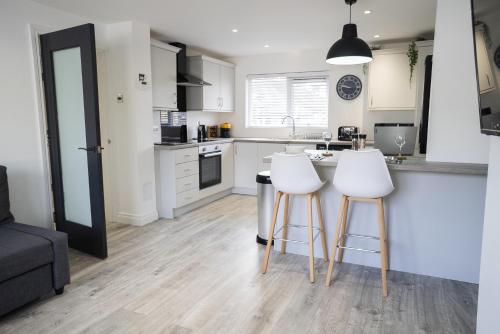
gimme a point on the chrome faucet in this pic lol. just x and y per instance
(293, 124)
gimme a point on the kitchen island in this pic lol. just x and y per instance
(434, 218)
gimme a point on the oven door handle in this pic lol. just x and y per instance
(208, 155)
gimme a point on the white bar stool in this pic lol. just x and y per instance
(294, 174)
(361, 176)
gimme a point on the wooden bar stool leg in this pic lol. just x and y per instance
(335, 241)
(285, 225)
(344, 231)
(310, 237)
(271, 232)
(383, 246)
(321, 226)
(386, 258)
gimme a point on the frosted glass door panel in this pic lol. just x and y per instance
(71, 122)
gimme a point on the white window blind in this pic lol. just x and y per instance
(271, 97)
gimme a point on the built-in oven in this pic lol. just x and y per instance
(210, 161)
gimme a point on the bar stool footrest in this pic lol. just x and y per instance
(345, 236)
(297, 241)
(359, 249)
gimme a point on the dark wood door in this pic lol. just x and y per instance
(71, 98)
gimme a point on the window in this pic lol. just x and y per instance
(270, 97)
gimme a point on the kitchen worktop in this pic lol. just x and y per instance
(194, 143)
(160, 146)
(415, 164)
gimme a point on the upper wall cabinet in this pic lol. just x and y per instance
(164, 75)
(485, 74)
(219, 97)
(389, 86)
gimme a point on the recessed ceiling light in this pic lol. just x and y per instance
(234, 30)
(267, 45)
(376, 36)
(366, 12)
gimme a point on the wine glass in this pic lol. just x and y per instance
(400, 142)
(327, 137)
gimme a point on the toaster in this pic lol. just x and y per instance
(345, 132)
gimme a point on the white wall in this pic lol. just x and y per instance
(489, 280)
(20, 119)
(341, 112)
(133, 179)
(454, 132)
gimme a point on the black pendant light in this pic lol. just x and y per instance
(349, 50)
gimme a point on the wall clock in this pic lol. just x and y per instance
(349, 87)
(497, 57)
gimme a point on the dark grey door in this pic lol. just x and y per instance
(71, 97)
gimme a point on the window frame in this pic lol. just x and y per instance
(289, 77)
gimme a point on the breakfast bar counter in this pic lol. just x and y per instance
(434, 218)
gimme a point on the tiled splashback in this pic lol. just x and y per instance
(190, 119)
(173, 118)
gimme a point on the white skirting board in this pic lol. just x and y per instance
(134, 219)
(245, 191)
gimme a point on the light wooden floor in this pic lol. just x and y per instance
(200, 274)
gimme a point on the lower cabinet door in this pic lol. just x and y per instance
(187, 197)
(187, 183)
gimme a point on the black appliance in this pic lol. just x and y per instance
(333, 147)
(345, 132)
(202, 132)
(173, 134)
(185, 79)
(210, 163)
(485, 18)
(424, 122)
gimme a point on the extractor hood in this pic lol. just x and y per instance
(188, 80)
(183, 78)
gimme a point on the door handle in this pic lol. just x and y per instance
(97, 149)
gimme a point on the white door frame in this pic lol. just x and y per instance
(40, 112)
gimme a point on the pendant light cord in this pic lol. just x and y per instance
(350, 12)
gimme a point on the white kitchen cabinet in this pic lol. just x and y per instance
(227, 88)
(248, 161)
(219, 97)
(211, 96)
(177, 179)
(485, 74)
(389, 86)
(164, 75)
(246, 164)
(267, 149)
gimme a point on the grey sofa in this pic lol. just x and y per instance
(33, 260)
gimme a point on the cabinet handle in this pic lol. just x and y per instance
(221, 102)
(187, 184)
(371, 102)
(488, 78)
(187, 170)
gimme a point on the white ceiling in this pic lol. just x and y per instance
(286, 25)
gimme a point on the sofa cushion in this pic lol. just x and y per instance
(5, 215)
(21, 252)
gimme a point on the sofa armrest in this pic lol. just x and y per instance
(59, 241)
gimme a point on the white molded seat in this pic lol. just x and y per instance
(291, 175)
(363, 174)
(294, 174)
